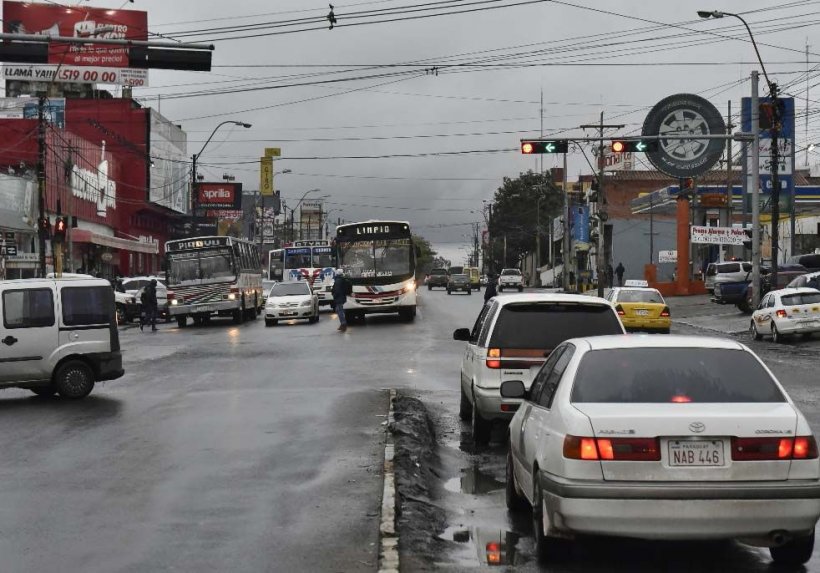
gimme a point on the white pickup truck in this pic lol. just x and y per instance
(510, 278)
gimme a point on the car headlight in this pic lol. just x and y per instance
(231, 296)
(174, 302)
(306, 303)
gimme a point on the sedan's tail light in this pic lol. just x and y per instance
(762, 449)
(781, 313)
(493, 355)
(615, 449)
(665, 312)
(620, 310)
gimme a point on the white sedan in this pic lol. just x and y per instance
(663, 438)
(786, 312)
(291, 300)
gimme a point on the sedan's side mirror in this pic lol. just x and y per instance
(513, 389)
(461, 334)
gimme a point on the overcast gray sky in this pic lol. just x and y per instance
(495, 105)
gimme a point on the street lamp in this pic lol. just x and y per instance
(775, 161)
(194, 186)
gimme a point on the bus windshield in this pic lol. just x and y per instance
(297, 258)
(323, 257)
(380, 258)
(201, 267)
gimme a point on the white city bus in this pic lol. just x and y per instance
(313, 261)
(213, 275)
(379, 258)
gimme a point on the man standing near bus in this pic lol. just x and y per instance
(340, 291)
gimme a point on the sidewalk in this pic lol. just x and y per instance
(698, 311)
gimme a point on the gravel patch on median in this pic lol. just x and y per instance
(420, 518)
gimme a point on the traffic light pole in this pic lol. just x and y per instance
(775, 168)
(41, 181)
(566, 242)
(755, 183)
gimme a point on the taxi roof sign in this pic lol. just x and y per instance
(636, 283)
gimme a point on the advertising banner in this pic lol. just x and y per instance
(266, 176)
(168, 148)
(219, 195)
(718, 236)
(667, 256)
(81, 63)
(580, 223)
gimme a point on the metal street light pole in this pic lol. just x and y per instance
(194, 158)
(775, 164)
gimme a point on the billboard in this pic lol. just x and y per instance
(168, 178)
(219, 195)
(78, 63)
(310, 219)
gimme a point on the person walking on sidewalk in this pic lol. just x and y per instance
(619, 272)
(341, 288)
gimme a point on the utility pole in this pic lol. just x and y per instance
(601, 260)
(729, 127)
(755, 182)
(775, 174)
(41, 181)
(566, 243)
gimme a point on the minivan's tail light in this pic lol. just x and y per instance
(620, 310)
(665, 312)
(493, 355)
(615, 449)
(762, 449)
(781, 313)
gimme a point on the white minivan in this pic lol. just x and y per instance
(58, 335)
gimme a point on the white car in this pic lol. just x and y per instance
(670, 437)
(510, 341)
(785, 312)
(510, 278)
(291, 300)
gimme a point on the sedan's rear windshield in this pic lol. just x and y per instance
(546, 324)
(658, 375)
(647, 296)
(800, 298)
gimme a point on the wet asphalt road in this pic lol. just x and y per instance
(245, 448)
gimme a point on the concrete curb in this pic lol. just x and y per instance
(388, 538)
(702, 327)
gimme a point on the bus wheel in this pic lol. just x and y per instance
(407, 314)
(182, 321)
(239, 316)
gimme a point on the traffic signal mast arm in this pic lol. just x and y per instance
(631, 143)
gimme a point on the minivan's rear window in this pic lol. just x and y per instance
(84, 306)
(659, 375)
(728, 268)
(546, 324)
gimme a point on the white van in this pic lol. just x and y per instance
(58, 335)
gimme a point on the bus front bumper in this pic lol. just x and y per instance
(186, 309)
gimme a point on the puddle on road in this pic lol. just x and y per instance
(484, 545)
(473, 481)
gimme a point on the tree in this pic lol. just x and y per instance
(523, 208)
(425, 255)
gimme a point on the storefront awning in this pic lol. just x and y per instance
(13, 221)
(85, 236)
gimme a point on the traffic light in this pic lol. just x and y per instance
(639, 145)
(538, 146)
(59, 230)
(44, 227)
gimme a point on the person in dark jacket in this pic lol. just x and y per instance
(491, 290)
(148, 299)
(340, 291)
(619, 272)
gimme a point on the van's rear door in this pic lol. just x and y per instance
(87, 322)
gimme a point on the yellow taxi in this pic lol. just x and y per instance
(640, 307)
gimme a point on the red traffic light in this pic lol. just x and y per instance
(526, 147)
(618, 146)
(60, 226)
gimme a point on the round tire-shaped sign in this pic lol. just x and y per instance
(685, 114)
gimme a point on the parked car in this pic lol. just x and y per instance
(510, 341)
(809, 280)
(58, 335)
(730, 271)
(670, 438)
(786, 312)
(291, 300)
(641, 309)
(810, 261)
(437, 278)
(459, 283)
(510, 278)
